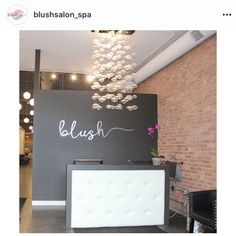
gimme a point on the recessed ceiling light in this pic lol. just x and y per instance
(26, 95)
(53, 76)
(90, 78)
(73, 77)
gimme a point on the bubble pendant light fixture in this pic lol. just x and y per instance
(113, 66)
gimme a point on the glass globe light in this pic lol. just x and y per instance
(31, 102)
(26, 120)
(20, 106)
(26, 95)
(32, 112)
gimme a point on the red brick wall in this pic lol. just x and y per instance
(187, 114)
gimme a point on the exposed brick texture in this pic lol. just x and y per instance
(187, 114)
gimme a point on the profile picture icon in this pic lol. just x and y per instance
(17, 14)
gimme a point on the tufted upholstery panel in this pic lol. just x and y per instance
(117, 198)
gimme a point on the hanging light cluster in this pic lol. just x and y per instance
(113, 71)
(27, 96)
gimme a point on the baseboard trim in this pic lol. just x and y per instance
(48, 203)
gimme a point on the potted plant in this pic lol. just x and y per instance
(156, 158)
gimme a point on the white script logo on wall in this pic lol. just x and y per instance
(17, 14)
(88, 134)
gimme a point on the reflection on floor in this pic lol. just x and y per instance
(52, 219)
(22, 202)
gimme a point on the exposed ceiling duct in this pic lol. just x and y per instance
(182, 45)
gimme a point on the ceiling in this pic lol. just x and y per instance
(71, 51)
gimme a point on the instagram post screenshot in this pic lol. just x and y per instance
(117, 116)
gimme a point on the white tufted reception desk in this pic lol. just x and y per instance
(116, 195)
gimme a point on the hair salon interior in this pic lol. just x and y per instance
(117, 131)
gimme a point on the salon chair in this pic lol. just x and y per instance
(202, 208)
(24, 160)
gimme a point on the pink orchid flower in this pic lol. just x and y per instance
(151, 131)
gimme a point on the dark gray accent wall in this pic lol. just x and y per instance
(52, 152)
